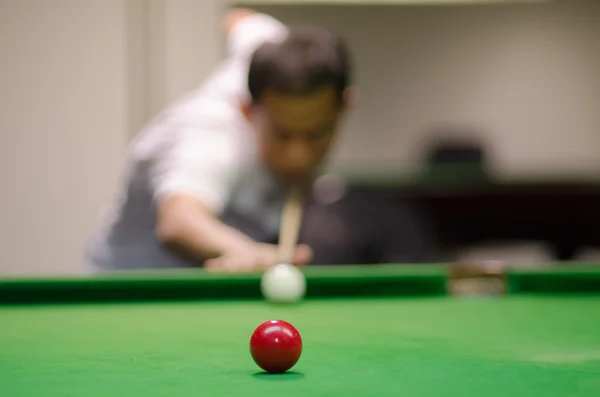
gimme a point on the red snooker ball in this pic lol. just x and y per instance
(276, 346)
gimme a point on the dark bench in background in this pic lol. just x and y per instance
(564, 215)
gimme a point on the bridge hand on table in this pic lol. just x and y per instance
(259, 257)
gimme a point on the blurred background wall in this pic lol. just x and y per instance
(63, 125)
(78, 79)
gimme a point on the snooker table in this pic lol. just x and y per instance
(367, 331)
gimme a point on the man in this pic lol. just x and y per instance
(207, 178)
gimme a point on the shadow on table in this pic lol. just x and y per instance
(290, 375)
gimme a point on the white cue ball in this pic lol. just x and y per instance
(283, 284)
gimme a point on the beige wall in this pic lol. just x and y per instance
(527, 75)
(173, 46)
(63, 119)
(184, 45)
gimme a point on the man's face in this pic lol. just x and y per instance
(296, 132)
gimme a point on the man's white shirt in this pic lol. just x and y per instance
(200, 146)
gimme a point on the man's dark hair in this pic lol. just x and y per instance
(309, 59)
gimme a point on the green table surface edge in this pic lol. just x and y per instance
(323, 282)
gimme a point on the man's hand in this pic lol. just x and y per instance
(256, 257)
(187, 227)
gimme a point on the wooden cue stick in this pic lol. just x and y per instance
(291, 219)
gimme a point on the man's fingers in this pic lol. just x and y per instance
(234, 264)
(225, 264)
(303, 255)
(214, 264)
(262, 259)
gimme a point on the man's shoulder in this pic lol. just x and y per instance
(217, 99)
(211, 111)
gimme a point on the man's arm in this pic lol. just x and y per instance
(190, 229)
(192, 178)
(187, 226)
